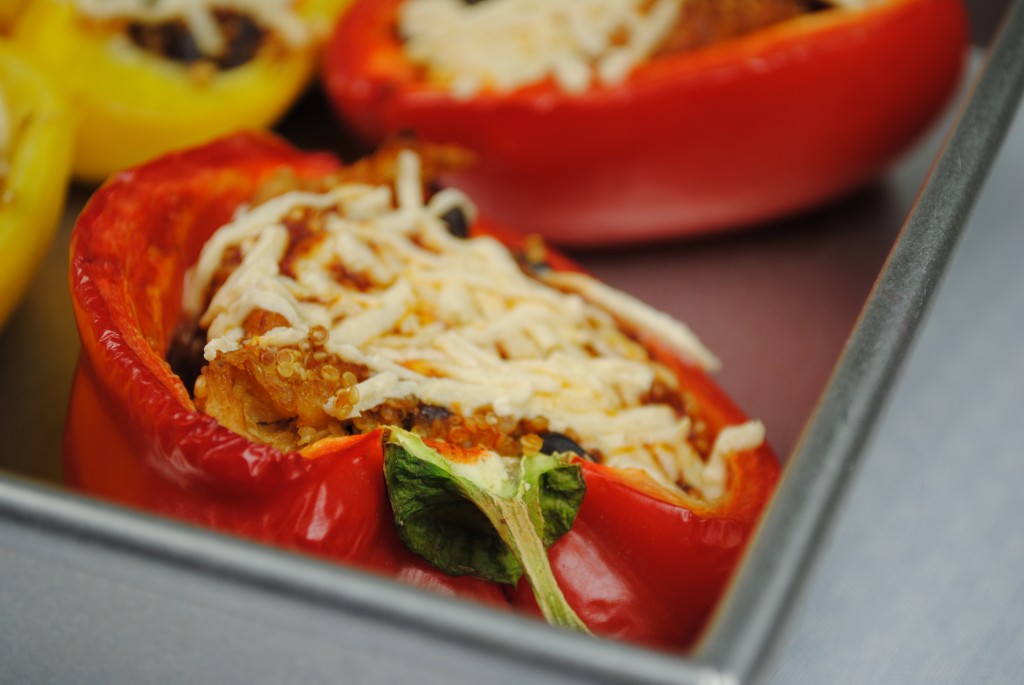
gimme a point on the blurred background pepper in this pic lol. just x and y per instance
(142, 83)
(739, 131)
(35, 158)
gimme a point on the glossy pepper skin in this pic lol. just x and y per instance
(38, 161)
(640, 564)
(740, 132)
(133, 105)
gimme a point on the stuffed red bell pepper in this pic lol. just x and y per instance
(629, 120)
(347, 361)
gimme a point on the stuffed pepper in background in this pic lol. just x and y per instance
(347, 361)
(35, 160)
(147, 77)
(618, 120)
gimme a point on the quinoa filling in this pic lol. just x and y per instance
(333, 310)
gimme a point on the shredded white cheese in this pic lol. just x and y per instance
(672, 332)
(278, 15)
(502, 45)
(454, 322)
(506, 44)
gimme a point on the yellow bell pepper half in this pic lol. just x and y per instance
(35, 161)
(132, 105)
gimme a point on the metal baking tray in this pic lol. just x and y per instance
(93, 592)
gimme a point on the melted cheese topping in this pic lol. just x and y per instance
(197, 15)
(455, 323)
(506, 44)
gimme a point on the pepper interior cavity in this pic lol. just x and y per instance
(225, 33)
(502, 45)
(334, 310)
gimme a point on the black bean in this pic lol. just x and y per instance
(244, 37)
(173, 40)
(433, 413)
(185, 353)
(170, 39)
(557, 442)
(456, 221)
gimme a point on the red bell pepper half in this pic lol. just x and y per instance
(742, 131)
(638, 563)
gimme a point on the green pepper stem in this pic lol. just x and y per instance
(511, 518)
(419, 480)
